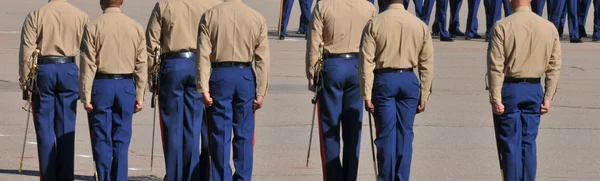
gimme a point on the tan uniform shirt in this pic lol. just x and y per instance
(523, 45)
(396, 39)
(173, 26)
(113, 44)
(339, 25)
(233, 32)
(55, 29)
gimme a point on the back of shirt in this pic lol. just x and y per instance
(173, 25)
(396, 39)
(114, 44)
(523, 45)
(55, 29)
(338, 24)
(233, 32)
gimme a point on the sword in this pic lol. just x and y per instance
(312, 126)
(25, 139)
(317, 82)
(28, 107)
(372, 146)
(153, 132)
(156, 84)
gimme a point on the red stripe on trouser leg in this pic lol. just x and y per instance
(254, 137)
(162, 133)
(323, 161)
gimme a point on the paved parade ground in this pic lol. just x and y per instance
(454, 138)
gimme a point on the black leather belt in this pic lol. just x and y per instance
(341, 55)
(113, 76)
(167, 56)
(55, 60)
(391, 70)
(231, 64)
(522, 80)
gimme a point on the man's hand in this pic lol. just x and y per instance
(545, 107)
(23, 85)
(151, 86)
(206, 99)
(497, 108)
(138, 106)
(88, 107)
(257, 103)
(311, 85)
(421, 107)
(369, 106)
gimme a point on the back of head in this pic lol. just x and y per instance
(514, 4)
(104, 4)
(388, 2)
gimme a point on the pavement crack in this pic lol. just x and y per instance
(577, 107)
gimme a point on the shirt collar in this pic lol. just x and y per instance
(112, 10)
(523, 9)
(396, 6)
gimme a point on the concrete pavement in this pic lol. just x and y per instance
(454, 138)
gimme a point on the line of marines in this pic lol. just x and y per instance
(213, 77)
(556, 12)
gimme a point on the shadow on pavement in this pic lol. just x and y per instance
(36, 173)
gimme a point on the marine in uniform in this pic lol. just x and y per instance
(232, 37)
(439, 23)
(538, 6)
(338, 25)
(113, 82)
(394, 44)
(493, 12)
(454, 28)
(472, 22)
(173, 27)
(286, 7)
(571, 8)
(523, 47)
(582, 13)
(55, 30)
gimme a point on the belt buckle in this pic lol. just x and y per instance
(186, 54)
(347, 56)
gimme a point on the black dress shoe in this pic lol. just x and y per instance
(301, 32)
(447, 39)
(578, 40)
(595, 39)
(583, 34)
(476, 36)
(455, 34)
(281, 37)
